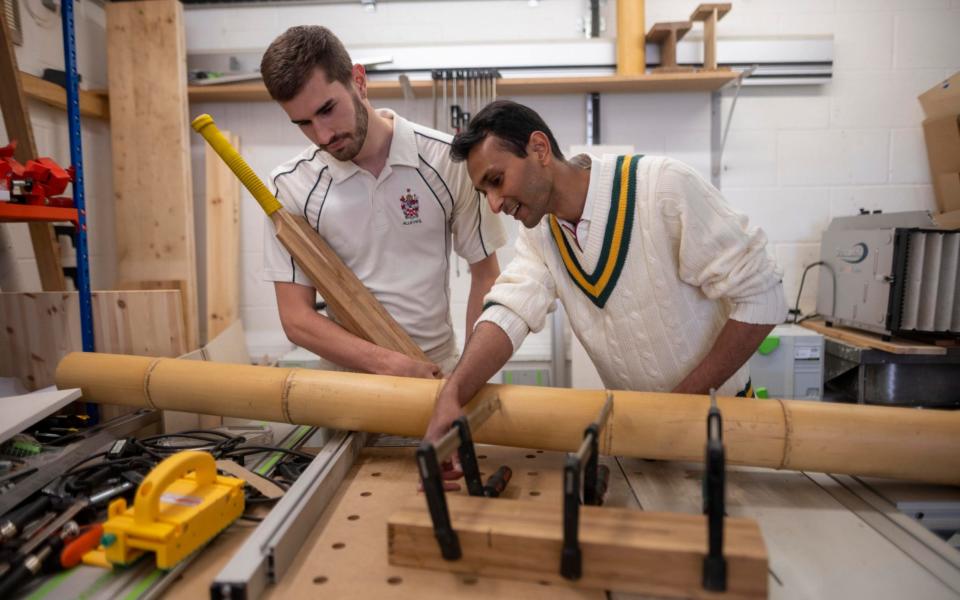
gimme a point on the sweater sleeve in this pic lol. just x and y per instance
(718, 251)
(524, 293)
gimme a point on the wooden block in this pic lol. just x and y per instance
(153, 191)
(667, 35)
(223, 243)
(872, 340)
(623, 550)
(710, 14)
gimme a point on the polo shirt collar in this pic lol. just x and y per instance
(403, 149)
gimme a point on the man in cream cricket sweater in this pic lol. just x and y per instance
(666, 287)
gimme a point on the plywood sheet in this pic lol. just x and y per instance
(153, 195)
(817, 547)
(222, 243)
(40, 328)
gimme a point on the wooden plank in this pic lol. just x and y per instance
(153, 193)
(16, 119)
(656, 553)
(41, 328)
(631, 49)
(704, 11)
(94, 104)
(871, 340)
(223, 243)
(650, 82)
(817, 547)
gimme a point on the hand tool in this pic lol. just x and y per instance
(350, 301)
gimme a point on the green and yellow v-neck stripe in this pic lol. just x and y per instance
(616, 238)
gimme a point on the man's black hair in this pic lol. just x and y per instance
(510, 123)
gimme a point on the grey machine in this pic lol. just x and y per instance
(890, 274)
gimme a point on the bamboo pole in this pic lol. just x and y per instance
(631, 46)
(920, 445)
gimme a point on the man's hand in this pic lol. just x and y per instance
(401, 365)
(446, 411)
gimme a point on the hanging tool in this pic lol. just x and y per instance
(181, 505)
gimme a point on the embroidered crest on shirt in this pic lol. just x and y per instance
(410, 205)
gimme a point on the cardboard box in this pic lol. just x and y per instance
(941, 130)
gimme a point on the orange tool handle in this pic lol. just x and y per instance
(73, 552)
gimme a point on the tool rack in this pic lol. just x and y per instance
(10, 212)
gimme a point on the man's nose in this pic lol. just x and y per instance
(322, 134)
(496, 202)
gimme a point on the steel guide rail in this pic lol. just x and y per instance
(270, 550)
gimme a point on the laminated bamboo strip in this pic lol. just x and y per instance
(852, 439)
(349, 301)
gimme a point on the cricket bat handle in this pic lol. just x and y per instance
(205, 126)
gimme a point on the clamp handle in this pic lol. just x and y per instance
(146, 505)
(205, 126)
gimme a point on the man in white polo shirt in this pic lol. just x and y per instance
(383, 192)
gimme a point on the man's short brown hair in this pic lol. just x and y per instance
(291, 59)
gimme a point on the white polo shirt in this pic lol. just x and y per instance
(394, 232)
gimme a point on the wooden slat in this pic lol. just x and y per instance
(40, 328)
(703, 11)
(656, 553)
(223, 243)
(153, 193)
(871, 340)
(650, 82)
(817, 547)
(94, 104)
(16, 119)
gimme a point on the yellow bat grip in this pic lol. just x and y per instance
(205, 126)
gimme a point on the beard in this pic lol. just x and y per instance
(353, 140)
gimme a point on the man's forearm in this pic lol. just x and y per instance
(733, 347)
(489, 349)
(327, 339)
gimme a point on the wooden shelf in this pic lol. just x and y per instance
(11, 212)
(92, 104)
(699, 81)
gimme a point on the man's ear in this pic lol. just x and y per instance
(358, 76)
(539, 146)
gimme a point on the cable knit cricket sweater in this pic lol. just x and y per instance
(666, 263)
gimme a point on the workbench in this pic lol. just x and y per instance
(827, 536)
